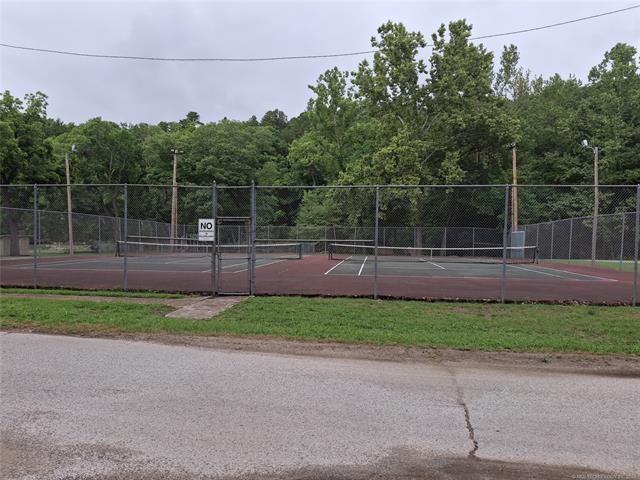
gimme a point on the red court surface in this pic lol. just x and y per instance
(316, 275)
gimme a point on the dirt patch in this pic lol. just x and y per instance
(588, 364)
(406, 464)
(205, 308)
(400, 464)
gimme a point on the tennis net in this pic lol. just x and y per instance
(279, 251)
(358, 253)
(274, 251)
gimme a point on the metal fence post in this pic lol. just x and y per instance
(504, 244)
(126, 238)
(214, 244)
(375, 264)
(553, 224)
(473, 241)
(622, 242)
(635, 248)
(594, 223)
(252, 233)
(99, 233)
(570, 236)
(35, 236)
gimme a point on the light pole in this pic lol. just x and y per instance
(596, 201)
(174, 198)
(69, 212)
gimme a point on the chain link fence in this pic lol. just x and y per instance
(562, 244)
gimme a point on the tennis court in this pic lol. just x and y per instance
(366, 268)
(388, 241)
(346, 270)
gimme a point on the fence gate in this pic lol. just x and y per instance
(233, 256)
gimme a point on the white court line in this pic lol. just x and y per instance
(580, 274)
(436, 277)
(235, 265)
(65, 262)
(259, 265)
(537, 271)
(336, 265)
(186, 261)
(439, 266)
(362, 266)
(119, 269)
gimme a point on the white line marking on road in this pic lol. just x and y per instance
(336, 265)
(439, 266)
(362, 266)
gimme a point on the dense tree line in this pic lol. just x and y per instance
(400, 118)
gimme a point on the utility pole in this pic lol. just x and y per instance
(174, 199)
(514, 190)
(596, 201)
(69, 210)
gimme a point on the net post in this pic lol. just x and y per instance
(635, 248)
(375, 263)
(214, 211)
(126, 239)
(252, 234)
(504, 244)
(35, 236)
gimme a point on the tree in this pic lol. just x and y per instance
(26, 151)
(274, 118)
(25, 157)
(392, 86)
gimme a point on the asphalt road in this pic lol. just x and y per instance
(106, 409)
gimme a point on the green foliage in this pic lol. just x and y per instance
(401, 117)
(26, 152)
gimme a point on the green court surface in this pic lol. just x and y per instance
(624, 266)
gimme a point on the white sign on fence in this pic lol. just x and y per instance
(206, 230)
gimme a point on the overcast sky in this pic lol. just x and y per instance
(141, 91)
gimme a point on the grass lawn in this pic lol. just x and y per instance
(88, 293)
(532, 328)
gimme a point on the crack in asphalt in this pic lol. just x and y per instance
(467, 416)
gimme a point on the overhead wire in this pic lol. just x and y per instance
(293, 57)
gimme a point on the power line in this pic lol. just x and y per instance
(295, 57)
